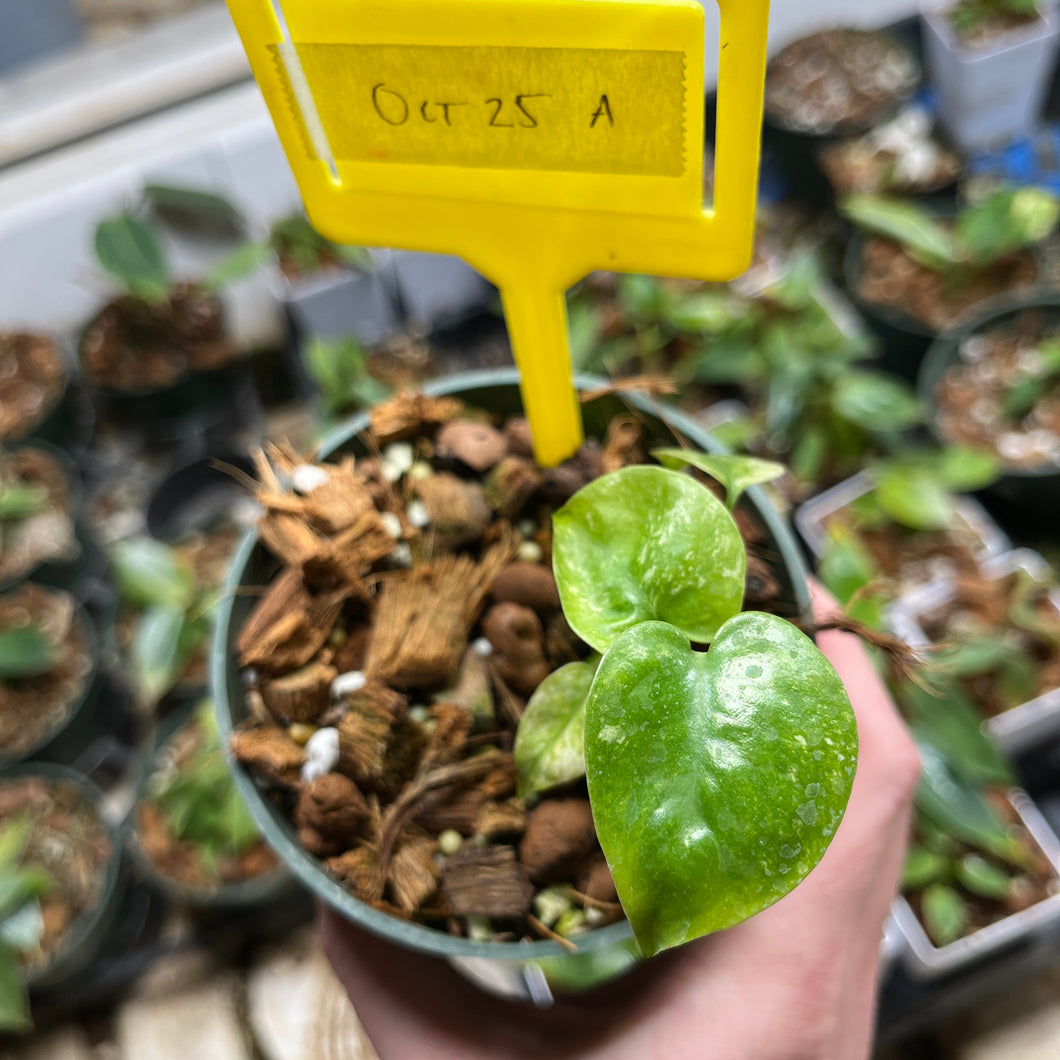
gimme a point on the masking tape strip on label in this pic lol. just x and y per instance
(575, 110)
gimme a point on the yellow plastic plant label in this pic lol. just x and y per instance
(537, 139)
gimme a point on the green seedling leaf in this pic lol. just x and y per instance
(646, 543)
(717, 779)
(983, 878)
(242, 262)
(550, 741)
(339, 369)
(14, 1004)
(19, 500)
(159, 650)
(13, 839)
(847, 566)
(25, 652)
(914, 228)
(945, 914)
(150, 573)
(19, 886)
(708, 312)
(914, 498)
(953, 727)
(129, 251)
(959, 808)
(961, 469)
(974, 656)
(734, 472)
(353, 257)
(1005, 221)
(583, 327)
(875, 401)
(923, 866)
(23, 930)
(194, 209)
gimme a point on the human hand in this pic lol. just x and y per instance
(796, 982)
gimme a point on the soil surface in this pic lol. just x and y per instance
(390, 661)
(32, 380)
(181, 860)
(1001, 396)
(892, 279)
(132, 345)
(46, 534)
(864, 166)
(69, 843)
(838, 81)
(1017, 614)
(32, 707)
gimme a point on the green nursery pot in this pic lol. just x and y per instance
(516, 968)
(1022, 496)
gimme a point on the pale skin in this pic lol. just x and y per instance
(796, 982)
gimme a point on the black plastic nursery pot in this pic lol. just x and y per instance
(903, 340)
(201, 410)
(603, 953)
(245, 894)
(1020, 498)
(89, 933)
(80, 726)
(65, 421)
(798, 146)
(196, 496)
(82, 573)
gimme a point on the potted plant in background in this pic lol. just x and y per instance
(159, 356)
(58, 845)
(41, 531)
(191, 831)
(827, 86)
(414, 698)
(48, 659)
(995, 385)
(165, 613)
(991, 61)
(915, 274)
(38, 399)
(995, 640)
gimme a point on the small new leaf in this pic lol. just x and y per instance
(129, 251)
(550, 742)
(734, 472)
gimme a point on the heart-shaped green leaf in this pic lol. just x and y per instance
(734, 472)
(645, 543)
(550, 743)
(717, 779)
